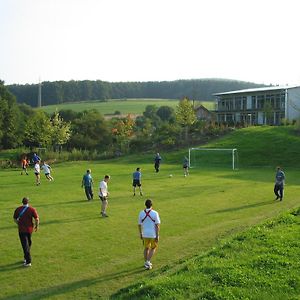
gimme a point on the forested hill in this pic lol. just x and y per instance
(70, 91)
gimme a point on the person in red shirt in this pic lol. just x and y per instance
(28, 221)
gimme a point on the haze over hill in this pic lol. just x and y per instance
(73, 91)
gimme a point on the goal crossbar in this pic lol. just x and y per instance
(232, 150)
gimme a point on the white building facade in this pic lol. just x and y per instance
(268, 105)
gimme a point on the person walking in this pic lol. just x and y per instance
(137, 177)
(157, 161)
(37, 172)
(103, 195)
(149, 226)
(24, 163)
(186, 166)
(279, 183)
(87, 183)
(24, 216)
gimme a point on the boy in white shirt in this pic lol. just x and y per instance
(37, 171)
(149, 226)
(103, 194)
(47, 170)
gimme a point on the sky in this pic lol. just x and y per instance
(149, 40)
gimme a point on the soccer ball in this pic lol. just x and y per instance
(170, 175)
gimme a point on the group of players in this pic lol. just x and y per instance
(38, 165)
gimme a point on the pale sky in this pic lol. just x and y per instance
(149, 40)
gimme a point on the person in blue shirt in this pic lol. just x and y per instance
(279, 184)
(157, 161)
(87, 183)
(137, 181)
(35, 158)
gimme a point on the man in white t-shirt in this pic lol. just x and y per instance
(37, 171)
(103, 194)
(149, 226)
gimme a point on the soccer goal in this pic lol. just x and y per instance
(217, 157)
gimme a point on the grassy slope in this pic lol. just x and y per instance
(261, 263)
(78, 255)
(133, 106)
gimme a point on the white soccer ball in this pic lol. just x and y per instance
(170, 175)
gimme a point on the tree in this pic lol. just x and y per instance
(166, 113)
(60, 132)
(123, 131)
(38, 130)
(185, 115)
(90, 131)
(9, 119)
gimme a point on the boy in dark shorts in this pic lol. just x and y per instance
(137, 177)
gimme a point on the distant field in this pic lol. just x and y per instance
(133, 106)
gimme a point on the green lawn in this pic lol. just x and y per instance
(78, 255)
(132, 106)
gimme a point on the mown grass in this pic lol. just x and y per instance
(78, 255)
(129, 106)
(260, 263)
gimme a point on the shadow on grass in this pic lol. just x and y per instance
(72, 286)
(10, 267)
(231, 209)
(62, 203)
(71, 220)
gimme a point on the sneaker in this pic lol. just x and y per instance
(104, 215)
(277, 198)
(133, 194)
(141, 194)
(147, 267)
(280, 199)
(27, 265)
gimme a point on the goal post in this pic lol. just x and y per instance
(213, 157)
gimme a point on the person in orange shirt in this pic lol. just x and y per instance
(24, 163)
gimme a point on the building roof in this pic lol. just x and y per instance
(262, 89)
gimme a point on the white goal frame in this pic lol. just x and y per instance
(233, 151)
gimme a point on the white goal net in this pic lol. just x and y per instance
(213, 157)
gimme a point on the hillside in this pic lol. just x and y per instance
(74, 91)
(263, 146)
(261, 263)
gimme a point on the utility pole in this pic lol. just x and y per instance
(40, 94)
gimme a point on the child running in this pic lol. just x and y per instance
(47, 171)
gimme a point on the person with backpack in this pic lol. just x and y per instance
(149, 226)
(27, 219)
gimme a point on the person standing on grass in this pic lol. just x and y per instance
(47, 170)
(157, 161)
(137, 177)
(279, 184)
(24, 163)
(186, 166)
(24, 216)
(87, 183)
(37, 173)
(103, 195)
(149, 226)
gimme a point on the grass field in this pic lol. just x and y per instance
(78, 255)
(132, 106)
